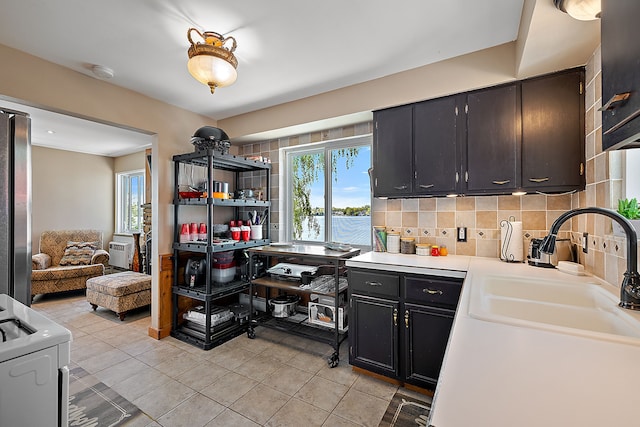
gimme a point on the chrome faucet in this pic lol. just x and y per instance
(630, 288)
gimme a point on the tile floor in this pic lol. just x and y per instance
(273, 380)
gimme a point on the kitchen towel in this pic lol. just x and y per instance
(511, 241)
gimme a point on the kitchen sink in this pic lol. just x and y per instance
(582, 295)
(576, 308)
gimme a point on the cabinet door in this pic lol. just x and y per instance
(493, 140)
(435, 147)
(553, 132)
(373, 335)
(426, 333)
(392, 152)
(620, 73)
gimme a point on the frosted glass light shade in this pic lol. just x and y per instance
(583, 10)
(211, 70)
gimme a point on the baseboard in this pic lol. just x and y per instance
(158, 334)
(377, 376)
(393, 381)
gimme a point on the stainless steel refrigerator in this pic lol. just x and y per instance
(15, 205)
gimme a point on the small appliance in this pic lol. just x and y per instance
(290, 271)
(195, 272)
(563, 252)
(283, 305)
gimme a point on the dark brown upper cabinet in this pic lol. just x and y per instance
(553, 132)
(392, 173)
(437, 144)
(620, 74)
(522, 136)
(493, 140)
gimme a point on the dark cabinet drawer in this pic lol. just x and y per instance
(374, 282)
(442, 291)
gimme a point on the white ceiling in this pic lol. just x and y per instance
(287, 49)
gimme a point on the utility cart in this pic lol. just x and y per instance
(302, 271)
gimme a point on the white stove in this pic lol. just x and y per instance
(34, 373)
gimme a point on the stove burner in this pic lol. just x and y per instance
(13, 328)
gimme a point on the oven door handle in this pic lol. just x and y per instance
(63, 397)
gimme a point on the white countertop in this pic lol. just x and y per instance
(495, 374)
(453, 266)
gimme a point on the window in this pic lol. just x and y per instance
(632, 173)
(329, 177)
(129, 197)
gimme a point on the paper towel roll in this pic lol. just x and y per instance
(511, 241)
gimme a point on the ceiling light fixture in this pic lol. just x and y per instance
(102, 72)
(210, 61)
(584, 10)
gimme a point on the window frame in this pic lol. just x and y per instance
(631, 174)
(121, 203)
(325, 146)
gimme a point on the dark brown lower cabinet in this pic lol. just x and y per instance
(375, 346)
(400, 323)
(426, 335)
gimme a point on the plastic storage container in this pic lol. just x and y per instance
(223, 273)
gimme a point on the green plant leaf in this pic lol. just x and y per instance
(629, 208)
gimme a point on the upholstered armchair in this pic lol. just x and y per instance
(66, 259)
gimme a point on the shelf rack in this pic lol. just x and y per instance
(211, 291)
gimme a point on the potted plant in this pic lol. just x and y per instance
(629, 209)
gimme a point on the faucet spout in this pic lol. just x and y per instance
(630, 288)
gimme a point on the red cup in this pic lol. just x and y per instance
(239, 223)
(232, 223)
(184, 229)
(202, 232)
(245, 235)
(184, 233)
(235, 233)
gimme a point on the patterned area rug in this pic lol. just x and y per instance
(405, 411)
(91, 403)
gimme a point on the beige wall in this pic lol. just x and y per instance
(71, 191)
(25, 78)
(475, 70)
(76, 191)
(130, 162)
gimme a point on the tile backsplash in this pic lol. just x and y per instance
(435, 220)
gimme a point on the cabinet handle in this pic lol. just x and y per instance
(615, 100)
(426, 186)
(371, 180)
(395, 317)
(539, 179)
(502, 182)
(406, 319)
(432, 291)
(374, 283)
(581, 168)
(400, 187)
(623, 122)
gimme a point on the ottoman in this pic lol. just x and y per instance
(119, 292)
